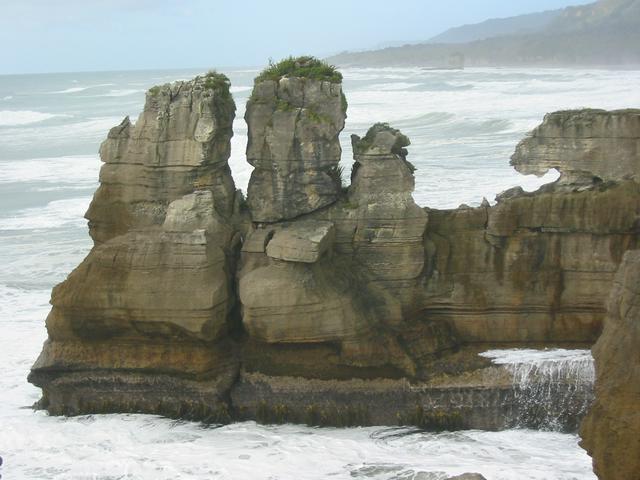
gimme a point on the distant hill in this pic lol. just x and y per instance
(605, 33)
(498, 27)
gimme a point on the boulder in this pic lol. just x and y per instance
(303, 241)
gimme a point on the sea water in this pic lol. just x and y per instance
(463, 126)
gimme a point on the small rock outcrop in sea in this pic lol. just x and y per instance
(318, 302)
(294, 115)
(611, 430)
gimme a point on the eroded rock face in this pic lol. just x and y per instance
(293, 144)
(350, 301)
(180, 142)
(610, 431)
(380, 224)
(533, 268)
(328, 296)
(583, 144)
(536, 266)
(146, 314)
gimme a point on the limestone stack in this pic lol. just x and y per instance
(180, 142)
(380, 224)
(142, 323)
(294, 117)
(611, 430)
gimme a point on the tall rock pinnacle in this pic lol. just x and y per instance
(294, 115)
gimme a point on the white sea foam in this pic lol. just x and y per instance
(239, 88)
(121, 92)
(8, 97)
(67, 213)
(80, 89)
(92, 130)
(536, 356)
(9, 118)
(79, 171)
(551, 364)
(551, 387)
(386, 87)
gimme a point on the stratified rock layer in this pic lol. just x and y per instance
(348, 303)
(611, 431)
(145, 316)
(536, 267)
(583, 144)
(293, 144)
(321, 303)
(180, 142)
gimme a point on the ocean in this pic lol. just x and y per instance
(463, 125)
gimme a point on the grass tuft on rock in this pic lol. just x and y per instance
(301, 67)
(216, 81)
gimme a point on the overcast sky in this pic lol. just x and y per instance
(93, 35)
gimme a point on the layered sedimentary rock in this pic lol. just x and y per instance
(142, 323)
(294, 122)
(611, 430)
(345, 305)
(583, 144)
(537, 266)
(317, 302)
(180, 142)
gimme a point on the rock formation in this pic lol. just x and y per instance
(321, 303)
(535, 267)
(611, 430)
(302, 284)
(142, 324)
(294, 117)
(582, 144)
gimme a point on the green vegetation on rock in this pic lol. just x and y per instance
(216, 81)
(301, 67)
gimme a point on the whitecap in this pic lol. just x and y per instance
(80, 89)
(93, 129)
(535, 356)
(385, 87)
(8, 97)
(10, 118)
(121, 93)
(67, 213)
(77, 170)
